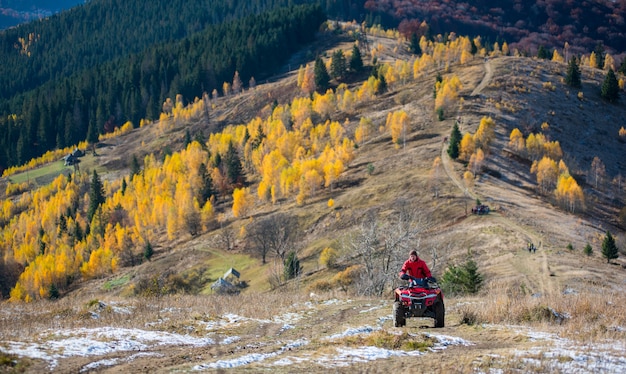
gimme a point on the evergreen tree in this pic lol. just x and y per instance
(92, 134)
(321, 75)
(462, 279)
(96, 195)
(588, 250)
(206, 190)
(472, 279)
(187, 137)
(600, 55)
(542, 53)
(53, 292)
(453, 143)
(124, 186)
(415, 45)
(42, 244)
(473, 48)
(573, 78)
(609, 248)
(382, 84)
(610, 87)
(148, 251)
(135, 168)
(356, 61)
(292, 266)
(338, 66)
(232, 162)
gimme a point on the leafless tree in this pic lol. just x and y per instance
(383, 244)
(226, 238)
(275, 233)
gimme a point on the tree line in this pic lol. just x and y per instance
(93, 101)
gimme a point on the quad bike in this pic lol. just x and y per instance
(421, 298)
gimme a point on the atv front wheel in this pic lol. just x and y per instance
(440, 314)
(399, 318)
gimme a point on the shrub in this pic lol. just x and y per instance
(328, 257)
(347, 277)
(588, 250)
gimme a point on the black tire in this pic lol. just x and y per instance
(399, 318)
(440, 314)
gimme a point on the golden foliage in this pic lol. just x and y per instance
(328, 257)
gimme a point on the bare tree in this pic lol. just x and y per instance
(276, 233)
(226, 238)
(383, 244)
(597, 172)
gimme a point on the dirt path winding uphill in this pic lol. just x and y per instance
(486, 79)
(532, 268)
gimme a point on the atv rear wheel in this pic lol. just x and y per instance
(399, 318)
(440, 314)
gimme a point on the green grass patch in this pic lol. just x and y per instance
(41, 176)
(115, 283)
(384, 339)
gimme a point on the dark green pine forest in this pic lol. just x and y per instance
(83, 72)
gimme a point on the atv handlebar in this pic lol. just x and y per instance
(415, 279)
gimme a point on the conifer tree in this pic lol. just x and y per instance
(148, 251)
(321, 75)
(588, 250)
(600, 55)
(610, 87)
(134, 167)
(356, 61)
(234, 170)
(338, 65)
(455, 140)
(609, 248)
(573, 78)
(382, 84)
(473, 47)
(415, 45)
(292, 266)
(206, 189)
(96, 195)
(542, 53)
(472, 279)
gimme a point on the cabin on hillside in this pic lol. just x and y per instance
(227, 284)
(73, 158)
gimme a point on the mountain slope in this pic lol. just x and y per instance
(533, 307)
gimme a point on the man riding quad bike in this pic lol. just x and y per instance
(421, 298)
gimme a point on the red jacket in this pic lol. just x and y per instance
(417, 269)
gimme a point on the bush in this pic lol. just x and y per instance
(347, 277)
(328, 257)
(588, 250)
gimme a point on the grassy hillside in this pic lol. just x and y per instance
(511, 90)
(521, 289)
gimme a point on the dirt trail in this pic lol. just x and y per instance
(486, 78)
(538, 275)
